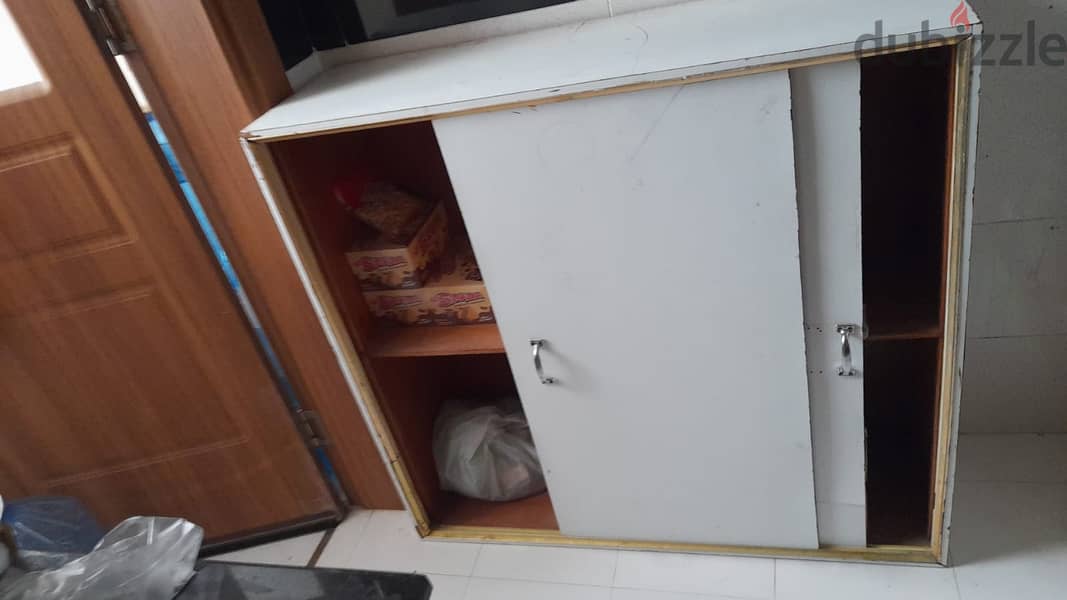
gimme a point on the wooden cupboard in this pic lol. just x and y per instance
(734, 245)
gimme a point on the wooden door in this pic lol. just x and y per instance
(128, 378)
(651, 239)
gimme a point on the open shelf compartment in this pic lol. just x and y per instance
(413, 370)
(906, 124)
(905, 111)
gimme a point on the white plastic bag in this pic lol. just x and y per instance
(142, 558)
(5, 552)
(486, 452)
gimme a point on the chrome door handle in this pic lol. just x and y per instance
(846, 369)
(537, 344)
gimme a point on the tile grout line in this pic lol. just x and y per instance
(1012, 482)
(615, 568)
(607, 587)
(477, 556)
(956, 579)
(1017, 433)
(717, 596)
(774, 579)
(1014, 336)
(320, 547)
(359, 532)
(547, 581)
(366, 523)
(1022, 220)
(1022, 433)
(466, 587)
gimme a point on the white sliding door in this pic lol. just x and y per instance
(651, 239)
(826, 114)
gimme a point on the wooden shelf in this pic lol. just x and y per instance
(534, 512)
(399, 342)
(909, 331)
(889, 321)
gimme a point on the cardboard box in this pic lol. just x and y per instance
(453, 294)
(380, 264)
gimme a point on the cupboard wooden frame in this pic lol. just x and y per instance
(960, 174)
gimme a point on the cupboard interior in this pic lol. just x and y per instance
(905, 110)
(412, 370)
(905, 113)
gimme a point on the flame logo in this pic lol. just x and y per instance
(959, 18)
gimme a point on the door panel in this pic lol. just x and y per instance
(129, 379)
(651, 239)
(826, 125)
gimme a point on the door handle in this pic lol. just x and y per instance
(537, 345)
(846, 369)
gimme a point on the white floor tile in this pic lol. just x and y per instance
(448, 587)
(623, 594)
(345, 537)
(510, 589)
(293, 552)
(389, 543)
(696, 574)
(540, 563)
(811, 580)
(1020, 457)
(1009, 540)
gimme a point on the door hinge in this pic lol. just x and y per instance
(311, 428)
(111, 25)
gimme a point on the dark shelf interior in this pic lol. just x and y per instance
(905, 121)
(900, 391)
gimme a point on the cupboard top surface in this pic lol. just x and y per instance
(655, 45)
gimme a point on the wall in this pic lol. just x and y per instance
(1015, 368)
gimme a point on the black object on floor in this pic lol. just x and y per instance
(240, 581)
